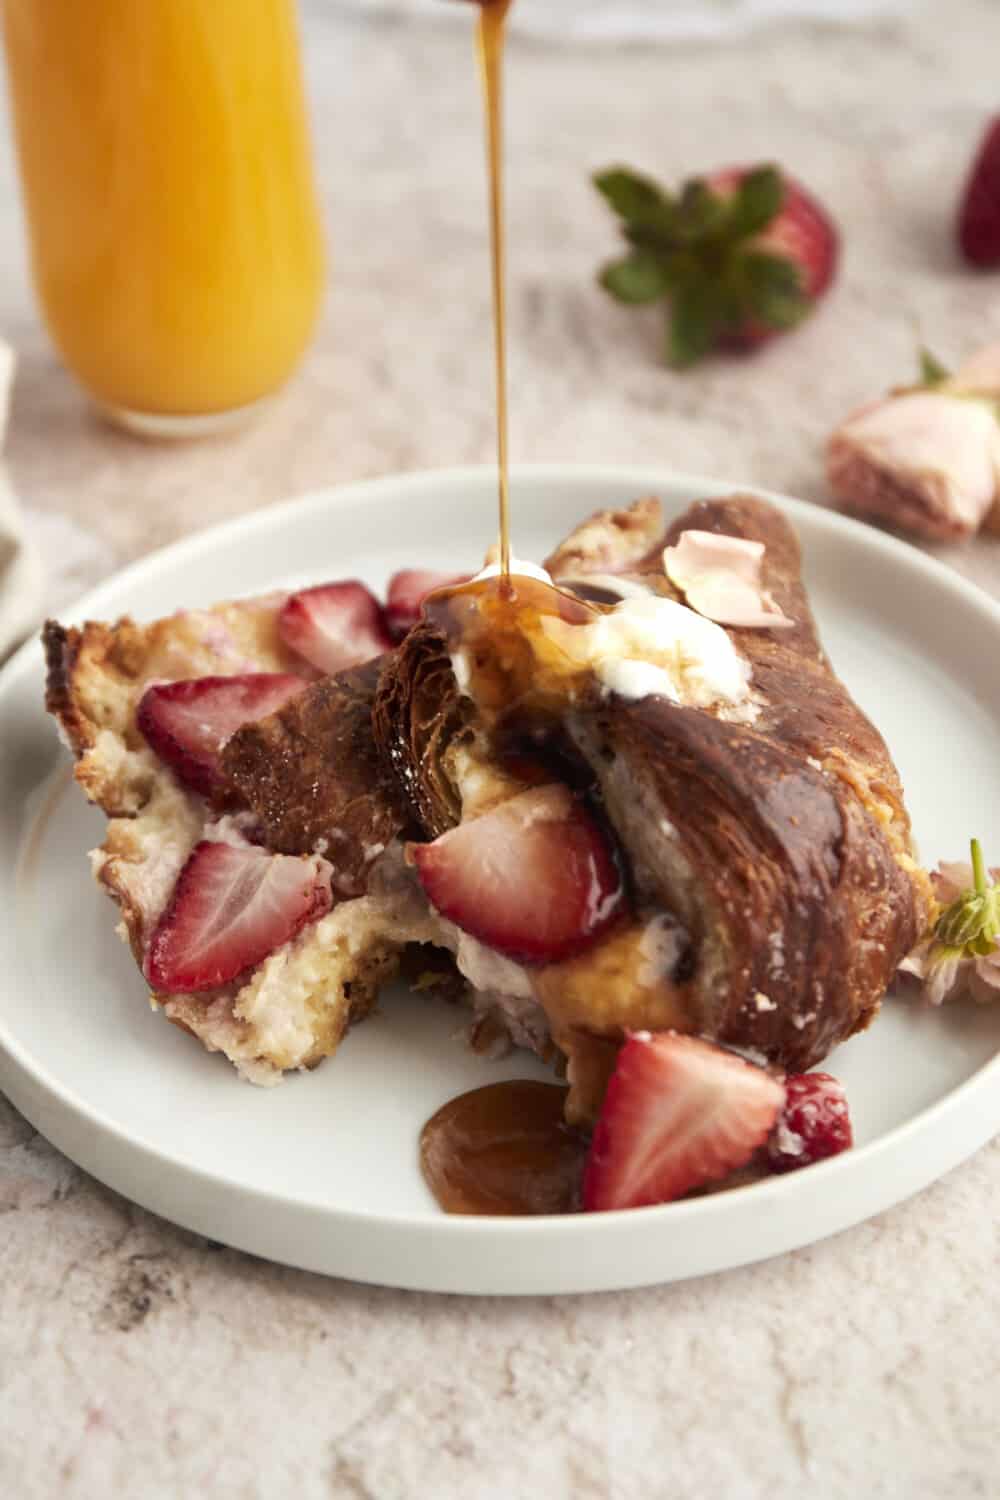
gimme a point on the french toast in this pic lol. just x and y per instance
(292, 1008)
(758, 885)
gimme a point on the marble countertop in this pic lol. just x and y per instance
(139, 1360)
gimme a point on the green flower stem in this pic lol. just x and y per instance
(978, 868)
(970, 926)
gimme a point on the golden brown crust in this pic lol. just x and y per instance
(96, 674)
(612, 541)
(795, 873)
(291, 1010)
(61, 648)
(797, 911)
(331, 1015)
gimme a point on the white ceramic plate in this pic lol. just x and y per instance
(322, 1172)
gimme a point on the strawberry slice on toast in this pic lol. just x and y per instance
(188, 722)
(334, 626)
(406, 593)
(232, 906)
(535, 878)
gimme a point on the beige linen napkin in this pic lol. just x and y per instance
(20, 567)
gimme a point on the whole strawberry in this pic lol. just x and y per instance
(741, 255)
(979, 211)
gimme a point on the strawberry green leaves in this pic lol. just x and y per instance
(636, 199)
(639, 278)
(773, 289)
(738, 256)
(698, 316)
(756, 203)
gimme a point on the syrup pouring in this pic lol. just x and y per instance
(504, 1148)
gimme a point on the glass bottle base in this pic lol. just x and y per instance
(176, 427)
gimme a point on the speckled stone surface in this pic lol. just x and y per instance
(139, 1361)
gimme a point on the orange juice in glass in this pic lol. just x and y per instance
(167, 179)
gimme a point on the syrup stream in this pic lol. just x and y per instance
(504, 1148)
(492, 18)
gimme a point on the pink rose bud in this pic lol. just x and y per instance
(926, 460)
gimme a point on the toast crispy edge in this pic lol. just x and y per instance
(94, 678)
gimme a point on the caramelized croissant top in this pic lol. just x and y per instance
(315, 780)
(780, 846)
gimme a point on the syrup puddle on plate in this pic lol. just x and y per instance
(504, 1149)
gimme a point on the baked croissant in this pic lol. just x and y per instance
(777, 851)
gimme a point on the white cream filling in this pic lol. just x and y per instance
(462, 671)
(638, 679)
(648, 645)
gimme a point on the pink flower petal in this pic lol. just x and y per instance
(705, 551)
(731, 601)
(988, 970)
(917, 962)
(981, 372)
(941, 977)
(944, 976)
(720, 577)
(951, 880)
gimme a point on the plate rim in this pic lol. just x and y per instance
(27, 1082)
(644, 477)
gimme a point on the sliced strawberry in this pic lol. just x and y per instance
(407, 592)
(232, 906)
(814, 1123)
(678, 1113)
(188, 722)
(534, 878)
(334, 625)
